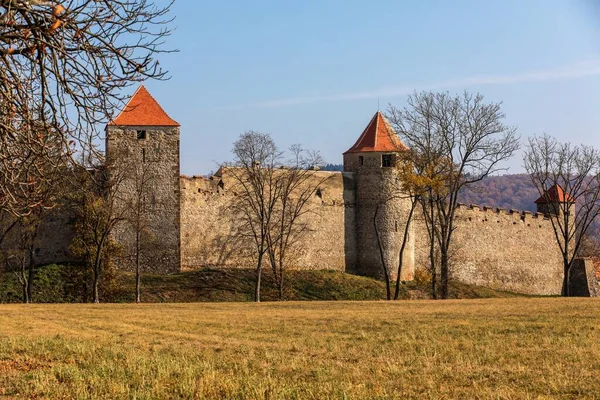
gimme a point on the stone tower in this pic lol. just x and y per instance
(373, 159)
(142, 143)
(550, 202)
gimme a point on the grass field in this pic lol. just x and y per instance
(516, 348)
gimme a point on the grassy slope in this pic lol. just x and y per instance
(492, 348)
(52, 285)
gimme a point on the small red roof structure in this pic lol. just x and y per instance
(378, 136)
(555, 194)
(143, 110)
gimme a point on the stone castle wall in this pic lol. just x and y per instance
(505, 250)
(52, 241)
(210, 227)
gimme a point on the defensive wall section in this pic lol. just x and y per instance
(52, 242)
(492, 247)
(501, 249)
(210, 225)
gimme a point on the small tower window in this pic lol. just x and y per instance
(143, 155)
(361, 160)
(387, 160)
(141, 135)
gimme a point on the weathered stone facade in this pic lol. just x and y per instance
(209, 227)
(377, 191)
(506, 250)
(52, 241)
(191, 224)
(153, 156)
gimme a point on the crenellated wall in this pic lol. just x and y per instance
(210, 226)
(501, 249)
(507, 250)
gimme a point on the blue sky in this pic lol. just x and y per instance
(312, 72)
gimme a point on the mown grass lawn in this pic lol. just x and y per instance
(492, 348)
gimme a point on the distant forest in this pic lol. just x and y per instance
(333, 167)
(508, 191)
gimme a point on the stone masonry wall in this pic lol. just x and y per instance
(209, 228)
(503, 250)
(157, 158)
(378, 189)
(52, 242)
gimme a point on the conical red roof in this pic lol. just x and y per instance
(143, 110)
(555, 194)
(378, 136)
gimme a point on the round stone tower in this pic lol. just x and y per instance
(373, 160)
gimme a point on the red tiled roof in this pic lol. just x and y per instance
(555, 194)
(143, 110)
(378, 136)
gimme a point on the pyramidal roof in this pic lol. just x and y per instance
(378, 136)
(143, 110)
(555, 194)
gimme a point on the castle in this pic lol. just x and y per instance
(190, 217)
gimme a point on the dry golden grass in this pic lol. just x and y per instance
(496, 348)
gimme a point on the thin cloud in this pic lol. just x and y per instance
(572, 71)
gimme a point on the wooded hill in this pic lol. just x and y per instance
(508, 191)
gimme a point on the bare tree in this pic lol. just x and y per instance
(22, 259)
(568, 180)
(467, 138)
(272, 198)
(297, 185)
(32, 166)
(411, 184)
(255, 162)
(64, 64)
(7, 224)
(98, 212)
(138, 213)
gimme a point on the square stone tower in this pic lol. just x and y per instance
(142, 145)
(555, 201)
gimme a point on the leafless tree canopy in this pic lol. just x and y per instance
(63, 67)
(456, 141)
(273, 195)
(576, 170)
(296, 186)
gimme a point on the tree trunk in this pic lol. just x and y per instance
(258, 277)
(280, 283)
(434, 288)
(24, 282)
(444, 273)
(96, 296)
(402, 247)
(138, 298)
(25, 286)
(30, 280)
(382, 256)
(566, 286)
(25, 295)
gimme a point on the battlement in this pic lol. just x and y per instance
(486, 213)
(334, 188)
